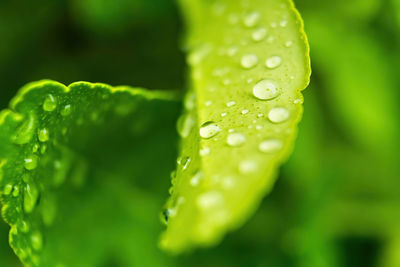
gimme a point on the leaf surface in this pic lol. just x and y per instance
(249, 62)
(72, 160)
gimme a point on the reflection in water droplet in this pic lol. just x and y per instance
(265, 90)
(249, 61)
(235, 139)
(50, 103)
(273, 62)
(209, 129)
(270, 146)
(278, 115)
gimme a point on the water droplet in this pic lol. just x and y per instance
(37, 241)
(66, 110)
(248, 166)
(208, 103)
(288, 43)
(251, 19)
(25, 131)
(270, 146)
(23, 226)
(7, 189)
(297, 101)
(48, 209)
(283, 23)
(260, 115)
(184, 162)
(209, 200)
(195, 180)
(185, 124)
(43, 135)
(230, 103)
(258, 127)
(245, 111)
(278, 115)
(209, 129)
(50, 103)
(249, 61)
(190, 100)
(205, 151)
(15, 191)
(199, 54)
(259, 34)
(223, 114)
(265, 90)
(235, 139)
(31, 194)
(232, 51)
(273, 62)
(31, 162)
(228, 182)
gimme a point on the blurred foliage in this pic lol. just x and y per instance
(337, 202)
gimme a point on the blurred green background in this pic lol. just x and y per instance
(337, 202)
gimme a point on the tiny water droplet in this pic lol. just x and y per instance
(31, 194)
(288, 44)
(270, 146)
(245, 111)
(248, 166)
(50, 103)
(25, 131)
(265, 90)
(208, 103)
(259, 34)
(23, 226)
(230, 103)
(223, 114)
(15, 191)
(185, 124)
(297, 101)
(278, 115)
(273, 62)
(249, 61)
(251, 19)
(235, 139)
(66, 110)
(259, 127)
(209, 129)
(283, 23)
(31, 162)
(43, 135)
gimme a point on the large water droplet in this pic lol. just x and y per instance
(251, 19)
(31, 162)
(43, 135)
(273, 62)
(259, 34)
(235, 139)
(31, 194)
(50, 103)
(265, 90)
(249, 61)
(209, 129)
(270, 146)
(278, 115)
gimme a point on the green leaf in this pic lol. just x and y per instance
(249, 61)
(72, 160)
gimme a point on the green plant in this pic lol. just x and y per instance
(81, 144)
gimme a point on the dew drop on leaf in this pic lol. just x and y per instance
(235, 139)
(259, 34)
(43, 135)
(31, 194)
(7, 189)
(249, 61)
(209, 129)
(251, 19)
(278, 115)
(265, 90)
(270, 146)
(50, 103)
(37, 241)
(248, 166)
(273, 62)
(66, 110)
(31, 162)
